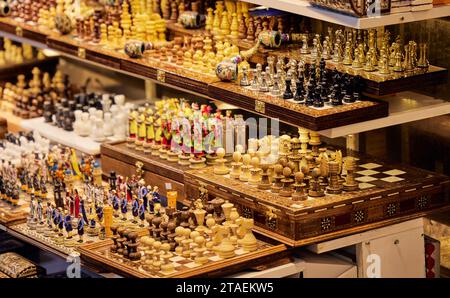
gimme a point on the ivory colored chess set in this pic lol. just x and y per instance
(187, 243)
(298, 195)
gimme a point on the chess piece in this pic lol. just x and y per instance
(277, 184)
(236, 165)
(225, 250)
(423, 61)
(255, 172)
(315, 189)
(288, 92)
(350, 184)
(334, 186)
(248, 242)
(348, 59)
(167, 266)
(245, 169)
(200, 258)
(299, 187)
(219, 165)
(287, 181)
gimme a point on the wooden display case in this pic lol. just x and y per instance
(388, 194)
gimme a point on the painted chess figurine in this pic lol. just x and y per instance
(142, 212)
(68, 224)
(60, 221)
(135, 209)
(80, 228)
(124, 206)
(115, 204)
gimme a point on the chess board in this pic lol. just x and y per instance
(184, 267)
(10, 214)
(23, 232)
(387, 194)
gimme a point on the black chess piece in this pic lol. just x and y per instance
(318, 103)
(324, 91)
(299, 92)
(48, 112)
(309, 100)
(288, 92)
(336, 95)
(348, 88)
(112, 180)
(358, 85)
(68, 123)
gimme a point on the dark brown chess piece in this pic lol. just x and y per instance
(315, 189)
(171, 226)
(287, 181)
(156, 223)
(299, 187)
(164, 233)
(133, 254)
(126, 242)
(184, 217)
(277, 184)
(334, 186)
(250, 30)
(114, 238)
(120, 240)
(219, 217)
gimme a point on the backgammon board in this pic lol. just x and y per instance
(387, 194)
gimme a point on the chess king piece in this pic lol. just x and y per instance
(219, 166)
(350, 184)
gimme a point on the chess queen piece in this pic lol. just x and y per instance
(350, 184)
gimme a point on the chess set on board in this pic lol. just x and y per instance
(188, 243)
(299, 195)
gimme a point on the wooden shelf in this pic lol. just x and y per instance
(404, 107)
(197, 83)
(304, 8)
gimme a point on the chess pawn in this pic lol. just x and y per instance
(384, 65)
(277, 184)
(356, 62)
(287, 181)
(263, 86)
(315, 189)
(244, 80)
(179, 232)
(350, 184)
(200, 258)
(326, 52)
(348, 59)
(299, 187)
(255, 80)
(369, 63)
(250, 30)
(186, 242)
(305, 48)
(398, 66)
(219, 165)
(236, 165)
(167, 266)
(156, 264)
(255, 172)
(288, 92)
(245, 169)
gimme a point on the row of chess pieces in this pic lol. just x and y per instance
(285, 166)
(12, 53)
(303, 83)
(195, 235)
(28, 97)
(362, 50)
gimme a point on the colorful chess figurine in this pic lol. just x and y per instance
(80, 228)
(135, 209)
(124, 206)
(141, 212)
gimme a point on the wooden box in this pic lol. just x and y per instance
(116, 156)
(388, 194)
(268, 251)
(298, 114)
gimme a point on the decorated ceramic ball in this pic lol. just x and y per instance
(63, 23)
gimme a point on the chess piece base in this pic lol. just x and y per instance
(197, 163)
(351, 187)
(299, 197)
(70, 242)
(285, 193)
(183, 159)
(172, 156)
(314, 193)
(235, 175)
(211, 159)
(155, 150)
(264, 186)
(334, 191)
(146, 147)
(131, 142)
(138, 145)
(275, 189)
(163, 153)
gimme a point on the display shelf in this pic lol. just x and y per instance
(304, 8)
(204, 84)
(404, 107)
(60, 136)
(13, 122)
(9, 71)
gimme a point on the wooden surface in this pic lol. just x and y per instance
(297, 223)
(10, 71)
(196, 82)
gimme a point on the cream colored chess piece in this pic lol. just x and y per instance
(219, 166)
(248, 242)
(245, 169)
(255, 172)
(167, 266)
(236, 165)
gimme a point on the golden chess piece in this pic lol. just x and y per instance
(245, 169)
(236, 165)
(348, 59)
(234, 27)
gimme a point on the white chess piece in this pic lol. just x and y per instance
(77, 122)
(108, 125)
(119, 99)
(106, 103)
(98, 134)
(85, 125)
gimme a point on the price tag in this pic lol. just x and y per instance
(168, 186)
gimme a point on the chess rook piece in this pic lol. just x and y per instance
(350, 184)
(334, 186)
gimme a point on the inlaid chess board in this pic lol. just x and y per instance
(387, 193)
(10, 214)
(184, 267)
